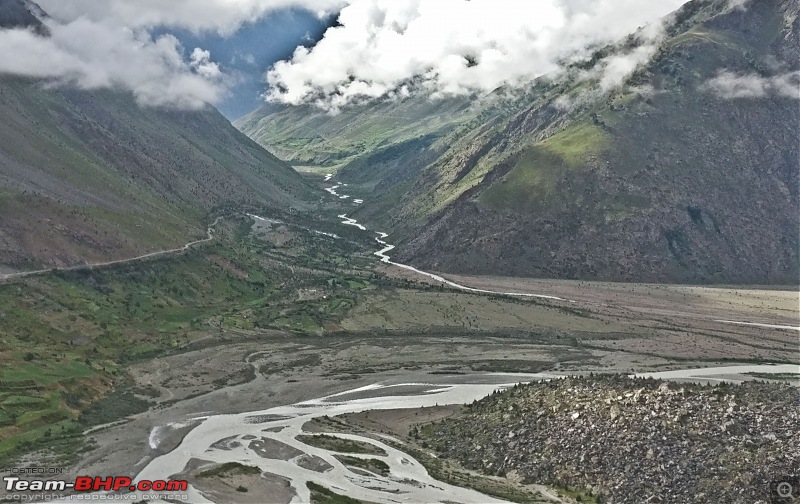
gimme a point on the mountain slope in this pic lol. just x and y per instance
(86, 176)
(306, 135)
(22, 14)
(660, 179)
(90, 176)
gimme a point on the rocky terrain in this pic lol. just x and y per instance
(633, 440)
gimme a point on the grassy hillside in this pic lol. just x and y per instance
(92, 175)
(310, 136)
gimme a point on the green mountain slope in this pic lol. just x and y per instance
(306, 135)
(86, 176)
(660, 179)
(90, 176)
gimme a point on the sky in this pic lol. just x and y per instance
(236, 53)
(249, 51)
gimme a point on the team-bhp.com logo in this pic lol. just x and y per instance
(94, 484)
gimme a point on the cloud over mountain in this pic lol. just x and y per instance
(731, 85)
(91, 55)
(378, 48)
(110, 44)
(386, 47)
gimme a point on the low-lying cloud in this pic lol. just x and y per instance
(92, 54)
(447, 47)
(730, 85)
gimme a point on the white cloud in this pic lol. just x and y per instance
(106, 44)
(93, 55)
(611, 72)
(456, 46)
(731, 85)
(616, 68)
(224, 16)
(200, 61)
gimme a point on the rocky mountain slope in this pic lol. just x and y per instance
(91, 175)
(632, 440)
(662, 178)
(22, 14)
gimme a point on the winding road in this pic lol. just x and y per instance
(150, 255)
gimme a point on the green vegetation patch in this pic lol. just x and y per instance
(323, 495)
(68, 335)
(336, 444)
(534, 177)
(118, 404)
(451, 473)
(229, 469)
(370, 464)
(575, 144)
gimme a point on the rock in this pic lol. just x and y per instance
(662, 445)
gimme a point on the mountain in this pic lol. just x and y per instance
(92, 175)
(22, 14)
(662, 178)
(86, 176)
(306, 135)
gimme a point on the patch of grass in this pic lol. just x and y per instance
(370, 464)
(337, 444)
(322, 495)
(533, 178)
(47, 371)
(579, 495)
(575, 144)
(117, 405)
(229, 469)
(449, 472)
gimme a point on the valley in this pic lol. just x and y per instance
(656, 180)
(284, 311)
(578, 287)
